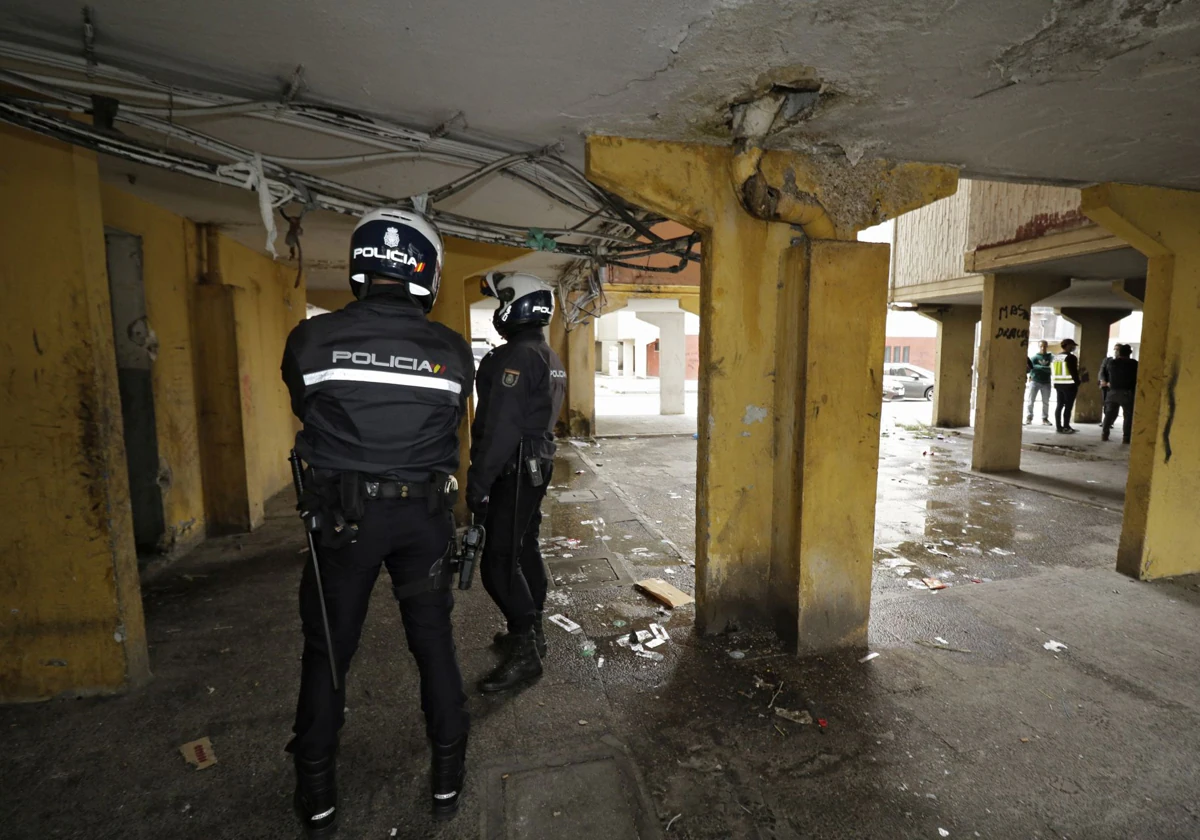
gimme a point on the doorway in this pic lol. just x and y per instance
(136, 348)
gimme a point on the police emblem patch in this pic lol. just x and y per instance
(510, 377)
(391, 237)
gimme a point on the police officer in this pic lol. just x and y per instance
(521, 385)
(1119, 379)
(1066, 377)
(380, 390)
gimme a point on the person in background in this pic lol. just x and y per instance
(1119, 378)
(1064, 373)
(1102, 381)
(1038, 368)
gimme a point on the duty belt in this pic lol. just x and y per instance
(394, 489)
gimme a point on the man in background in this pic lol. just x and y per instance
(1119, 377)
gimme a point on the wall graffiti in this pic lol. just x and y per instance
(1014, 312)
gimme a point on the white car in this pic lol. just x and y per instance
(893, 388)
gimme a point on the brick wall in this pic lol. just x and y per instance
(693, 357)
(922, 351)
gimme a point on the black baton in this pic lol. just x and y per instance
(298, 481)
(517, 531)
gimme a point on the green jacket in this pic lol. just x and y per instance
(1039, 370)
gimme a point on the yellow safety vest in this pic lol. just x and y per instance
(1059, 373)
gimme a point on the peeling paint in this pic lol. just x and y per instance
(1041, 224)
(754, 414)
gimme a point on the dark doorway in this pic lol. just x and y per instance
(136, 348)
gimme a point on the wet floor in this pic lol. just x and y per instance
(965, 725)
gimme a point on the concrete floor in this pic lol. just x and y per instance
(963, 724)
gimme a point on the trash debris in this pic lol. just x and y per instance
(869, 657)
(619, 622)
(669, 571)
(1055, 647)
(940, 640)
(935, 646)
(565, 623)
(393, 832)
(1001, 552)
(660, 590)
(671, 822)
(737, 654)
(893, 562)
(583, 723)
(660, 632)
(600, 662)
(802, 717)
(199, 753)
(933, 583)
(580, 472)
(649, 654)
(943, 832)
(588, 648)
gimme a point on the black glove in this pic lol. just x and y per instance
(478, 505)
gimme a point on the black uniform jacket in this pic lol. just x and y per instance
(1121, 373)
(521, 386)
(380, 389)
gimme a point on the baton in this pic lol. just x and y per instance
(298, 481)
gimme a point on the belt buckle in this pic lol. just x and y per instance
(372, 488)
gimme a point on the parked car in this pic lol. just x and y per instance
(893, 388)
(918, 382)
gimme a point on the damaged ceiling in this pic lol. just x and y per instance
(1070, 91)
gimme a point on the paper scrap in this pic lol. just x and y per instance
(653, 643)
(660, 632)
(869, 657)
(565, 623)
(802, 716)
(1054, 646)
(199, 753)
(933, 583)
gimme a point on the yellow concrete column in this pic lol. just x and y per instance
(1003, 351)
(1158, 538)
(464, 262)
(330, 299)
(1094, 326)
(789, 415)
(581, 379)
(70, 604)
(955, 362)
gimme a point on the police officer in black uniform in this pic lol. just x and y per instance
(520, 385)
(380, 390)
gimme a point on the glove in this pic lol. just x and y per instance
(478, 505)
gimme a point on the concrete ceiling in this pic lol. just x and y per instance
(1069, 91)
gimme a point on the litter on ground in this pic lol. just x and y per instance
(869, 657)
(802, 716)
(199, 753)
(662, 591)
(933, 583)
(1055, 647)
(565, 623)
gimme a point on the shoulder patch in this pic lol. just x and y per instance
(510, 377)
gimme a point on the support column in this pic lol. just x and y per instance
(581, 379)
(672, 359)
(1158, 538)
(955, 361)
(464, 262)
(1003, 350)
(609, 359)
(627, 351)
(71, 610)
(1094, 326)
(784, 532)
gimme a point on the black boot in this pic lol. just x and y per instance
(449, 770)
(520, 665)
(316, 796)
(504, 640)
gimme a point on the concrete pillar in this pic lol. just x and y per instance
(672, 359)
(1094, 326)
(955, 360)
(789, 412)
(609, 358)
(1003, 350)
(1158, 538)
(71, 609)
(463, 263)
(639, 357)
(581, 379)
(627, 358)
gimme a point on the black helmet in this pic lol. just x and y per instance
(525, 301)
(399, 245)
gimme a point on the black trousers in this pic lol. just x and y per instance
(515, 576)
(1119, 399)
(1065, 406)
(402, 535)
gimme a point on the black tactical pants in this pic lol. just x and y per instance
(1065, 406)
(404, 536)
(1119, 399)
(516, 579)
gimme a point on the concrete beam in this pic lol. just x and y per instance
(1158, 537)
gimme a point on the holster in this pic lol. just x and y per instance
(441, 574)
(323, 507)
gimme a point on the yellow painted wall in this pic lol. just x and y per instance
(265, 311)
(331, 299)
(70, 605)
(168, 275)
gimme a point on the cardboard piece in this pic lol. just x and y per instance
(933, 583)
(199, 753)
(660, 590)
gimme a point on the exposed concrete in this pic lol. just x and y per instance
(955, 364)
(672, 360)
